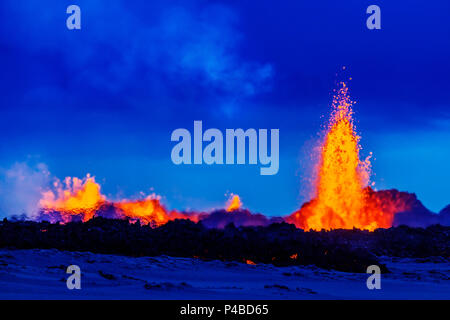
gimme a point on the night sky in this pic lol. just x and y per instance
(105, 99)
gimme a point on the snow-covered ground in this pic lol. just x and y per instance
(41, 274)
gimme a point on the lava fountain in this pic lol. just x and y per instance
(76, 199)
(234, 203)
(342, 198)
(73, 197)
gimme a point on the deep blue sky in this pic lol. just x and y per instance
(106, 98)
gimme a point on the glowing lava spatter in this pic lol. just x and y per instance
(342, 198)
(234, 203)
(341, 176)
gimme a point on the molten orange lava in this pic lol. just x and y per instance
(149, 211)
(73, 197)
(234, 203)
(342, 199)
(82, 198)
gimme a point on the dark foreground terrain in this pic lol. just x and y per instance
(280, 244)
